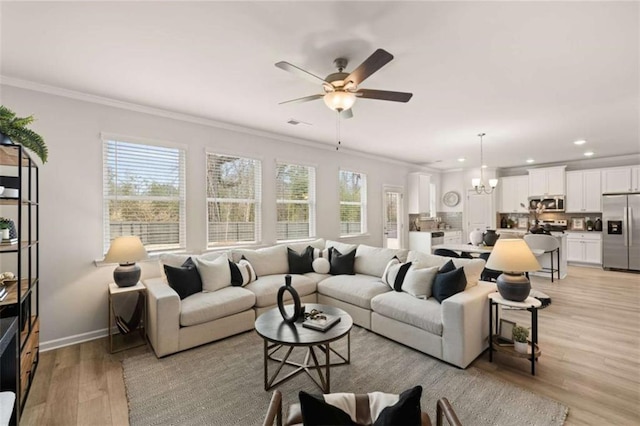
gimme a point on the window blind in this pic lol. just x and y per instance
(144, 194)
(234, 194)
(296, 201)
(353, 202)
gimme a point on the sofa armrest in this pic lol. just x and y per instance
(465, 324)
(163, 310)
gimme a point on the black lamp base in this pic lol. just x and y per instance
(126, 275)
(515, 287)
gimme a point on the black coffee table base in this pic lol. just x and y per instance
(312, 361)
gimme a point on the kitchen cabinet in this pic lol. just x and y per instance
(620, 179)
(584, 247)
(584, 191)
(547, 181)
(513, 191)
(419, 189)
(453, 237)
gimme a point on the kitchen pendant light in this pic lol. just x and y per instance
(478, 184)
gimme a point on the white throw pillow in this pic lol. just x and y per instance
(418, 281)
(395, 273)
(321, 265)
(244, 273)
(176, 260)
(215, 274)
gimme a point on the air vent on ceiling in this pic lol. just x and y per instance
(295, 122)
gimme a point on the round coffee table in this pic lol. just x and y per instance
(277, 335)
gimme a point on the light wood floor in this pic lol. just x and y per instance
(589, 336)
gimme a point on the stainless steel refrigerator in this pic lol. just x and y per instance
(621, 231)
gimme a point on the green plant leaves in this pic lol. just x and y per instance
(15, 129)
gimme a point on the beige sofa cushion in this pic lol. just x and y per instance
(302, 246)
(215, 274)
(424, 314)
(316, 277)
(373, 260)
(341, 247)
(472, 267)
(204, 307)
(355, 289)
(266, 288)
(176, 260)
(265, 261)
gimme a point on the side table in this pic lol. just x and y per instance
(530, 304)
(119, 341)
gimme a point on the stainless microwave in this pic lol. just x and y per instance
(551, 204)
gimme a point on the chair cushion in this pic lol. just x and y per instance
(355, 289)
(372, 260)
(204, 307)
(472, 267)
(266, 288)
(423, 314)
(265, 261)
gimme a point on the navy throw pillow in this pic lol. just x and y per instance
(316, 412)
(404, 412)
(446, 284)
(447, 267)
(342, 264)
(300, 263)
(185, 280)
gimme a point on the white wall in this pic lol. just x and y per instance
(73, 302)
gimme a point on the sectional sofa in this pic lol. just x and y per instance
(455, 331)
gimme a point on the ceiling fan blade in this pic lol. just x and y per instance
(286, 66)
(305, 99)
(346, 114)
(373, 63)
(384, 95)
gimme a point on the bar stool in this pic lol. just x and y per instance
(548, 244)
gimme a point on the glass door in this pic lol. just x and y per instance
(392, 221)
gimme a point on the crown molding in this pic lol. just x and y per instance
(159, 112)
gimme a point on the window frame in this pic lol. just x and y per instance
(362, 203)
(310, 202)
(106, 139)
(258, 180)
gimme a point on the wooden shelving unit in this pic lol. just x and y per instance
(18, 170)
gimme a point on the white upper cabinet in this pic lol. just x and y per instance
(513, 191)
(635, 179)
(547, 181)
(584, 191)
(420, 194)
(617, 180)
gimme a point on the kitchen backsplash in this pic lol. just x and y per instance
(453, 219)
(443, 220)
(551, 216)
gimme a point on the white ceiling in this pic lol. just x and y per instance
(533, 76)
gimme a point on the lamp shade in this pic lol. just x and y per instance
(512, 255)
(126, 250)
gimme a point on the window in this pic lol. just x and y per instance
(353, 203)
(144, 194)
(234, 193)
(296, 201)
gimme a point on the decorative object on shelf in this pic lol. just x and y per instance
(451, 199)
(523, 223)
(4, 226)
(8, 224)
(537, 211)
(318, 320)
(13, 130)
(506, 331)
(490, 237)
(520, 335)
(597, 226)
(476, 236)
(577, 223)
(503, 222)
(513, 257)
(589, 224)
(297, 308)
(478, 184)
(126, 251)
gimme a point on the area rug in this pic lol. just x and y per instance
(222, 384)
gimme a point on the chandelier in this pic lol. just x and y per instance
(478, 184)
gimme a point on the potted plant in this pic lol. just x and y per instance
(589, 225)
(14, 130)
(520, 335)
(4, 228)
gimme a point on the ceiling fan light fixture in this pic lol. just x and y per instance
(339, 100)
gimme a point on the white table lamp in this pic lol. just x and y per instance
(513, 257)
(126, 251)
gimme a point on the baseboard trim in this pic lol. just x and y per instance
(72, 340)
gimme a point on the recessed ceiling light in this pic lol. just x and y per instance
(580, 142)
(530, 160)
(461, 160)
(588, 153)
(484, 166)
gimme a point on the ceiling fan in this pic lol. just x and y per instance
(341, 88)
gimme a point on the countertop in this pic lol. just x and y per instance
(523, 232)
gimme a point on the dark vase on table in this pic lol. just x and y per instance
(297, 307)
(490, 237)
